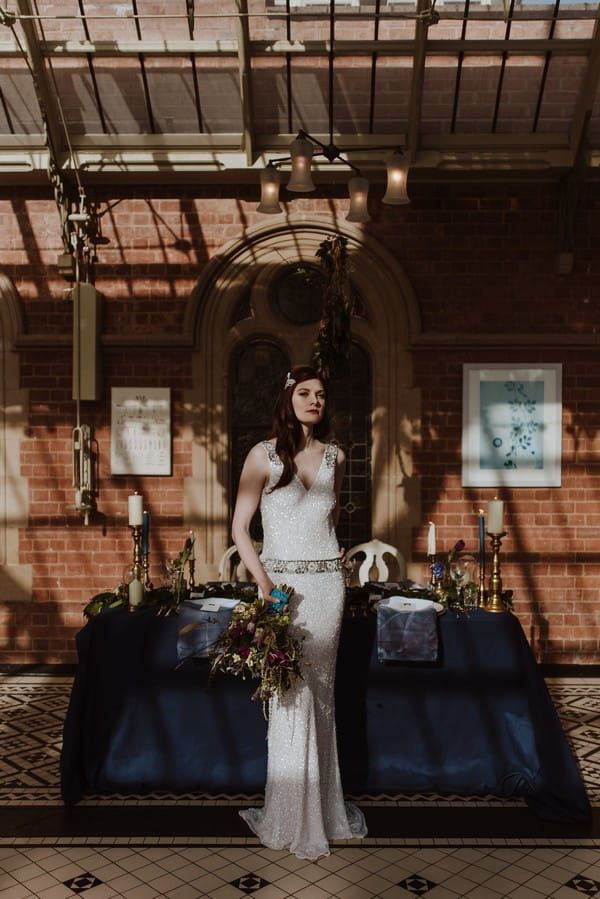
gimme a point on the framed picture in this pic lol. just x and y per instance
(140, 440)
(512, 425)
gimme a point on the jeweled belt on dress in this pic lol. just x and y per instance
(302, 566)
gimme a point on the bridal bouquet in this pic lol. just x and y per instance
(257, 645)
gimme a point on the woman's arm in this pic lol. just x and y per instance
(340, 468)
(255, 474)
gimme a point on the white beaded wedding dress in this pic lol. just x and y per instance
(304, 805)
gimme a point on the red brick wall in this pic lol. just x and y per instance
(480, 260)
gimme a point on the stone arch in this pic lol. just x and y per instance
(393, 322)
(15, 578)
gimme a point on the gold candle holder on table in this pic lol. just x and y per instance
(146, 571)
(481, 589)
(493, 602)
(136, 588)
(436, 579)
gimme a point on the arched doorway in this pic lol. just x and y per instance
(237, 305)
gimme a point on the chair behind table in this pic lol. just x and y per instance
(376, 561)
(231, 568)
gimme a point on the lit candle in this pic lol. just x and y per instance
(431, 539)
(145, 531)
(495, 516)
(136, 510)
(192, 554)
(136, 593)
(481, 540)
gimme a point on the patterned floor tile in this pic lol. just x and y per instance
(32, 711)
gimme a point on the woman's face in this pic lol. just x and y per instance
(308, 401)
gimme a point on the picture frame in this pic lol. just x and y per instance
(140, 430)
(512, 425)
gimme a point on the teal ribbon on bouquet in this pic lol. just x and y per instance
(282, 594)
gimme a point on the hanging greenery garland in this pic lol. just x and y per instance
(333, 343)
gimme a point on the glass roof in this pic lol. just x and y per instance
(205, 87)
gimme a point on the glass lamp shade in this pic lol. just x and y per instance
(397, 174)
(301, 151)
(269, 191)
(358, 188)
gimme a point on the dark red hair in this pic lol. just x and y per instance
(286, 429)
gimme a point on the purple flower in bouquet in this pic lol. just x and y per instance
(276, 658)
(257, 645)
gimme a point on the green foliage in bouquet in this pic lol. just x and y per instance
(257, 645)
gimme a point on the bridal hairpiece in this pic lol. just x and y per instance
(289, 381)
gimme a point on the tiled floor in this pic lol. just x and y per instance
(37, 861)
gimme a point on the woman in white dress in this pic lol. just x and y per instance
(295, 477)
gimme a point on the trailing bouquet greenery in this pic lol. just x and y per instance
(257, 645)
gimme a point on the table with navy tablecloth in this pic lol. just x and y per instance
(478, 721)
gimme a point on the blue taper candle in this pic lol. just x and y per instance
(145, 531)
(481, 540)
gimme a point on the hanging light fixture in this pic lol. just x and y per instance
(358, 188)
(397, 175)
(270, 180)
(301, 152)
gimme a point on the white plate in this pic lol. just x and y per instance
(213, 603)
(411, 604)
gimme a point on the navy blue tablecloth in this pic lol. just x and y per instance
(477, 721)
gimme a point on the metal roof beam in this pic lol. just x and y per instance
(417, 81)
(245, 70)
(577, 46)
(44, 92)
(588, 93)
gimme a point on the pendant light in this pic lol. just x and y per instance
(397, 174)
(270, 180)
(358, 188)
(301, 151)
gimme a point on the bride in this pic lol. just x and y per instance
(295, 478)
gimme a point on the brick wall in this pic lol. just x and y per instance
(481, 262)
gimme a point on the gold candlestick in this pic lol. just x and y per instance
(191, 567)
(481, 590)
(436, 580)
(136, 592)
(146, 571)
(494, 603)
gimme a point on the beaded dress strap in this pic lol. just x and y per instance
(271, 453)
(331, 452)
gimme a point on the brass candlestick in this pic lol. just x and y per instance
(136, 533)
(191, 567)
(136, 592)
(146, 571)
(481, 590)
(494, 603)
(436, 579)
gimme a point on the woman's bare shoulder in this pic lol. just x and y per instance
(341, 455)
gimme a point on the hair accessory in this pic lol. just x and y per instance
(289, 381)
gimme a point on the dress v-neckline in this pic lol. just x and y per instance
(301, 482)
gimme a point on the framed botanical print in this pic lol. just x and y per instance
(512, 425)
